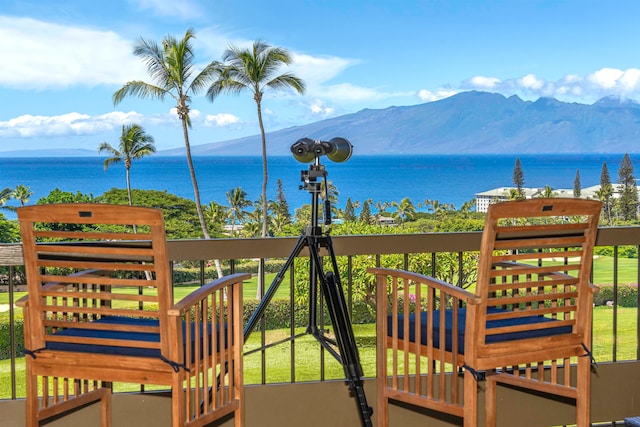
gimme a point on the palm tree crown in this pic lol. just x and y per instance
(255, 69)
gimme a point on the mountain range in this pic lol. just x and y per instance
(470, 123)
(466, 123)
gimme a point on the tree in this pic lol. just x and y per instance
(5, 195)
(237, 199)
(365, 214)
(605, 194)
(23, 194)
(628, 202)
(255, 70)
(548, 192)
(404, 210)
(180, 216)
(9, 230)
(216, 215)
(467, 207)
(436, 208)
(518, 179)
(134, 144)
(58, 196)
(172, 67)
(349, 214)
(577, 191)
(282, 207)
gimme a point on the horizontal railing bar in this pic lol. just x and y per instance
(280, 247)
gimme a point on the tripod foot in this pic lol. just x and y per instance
(357, 387)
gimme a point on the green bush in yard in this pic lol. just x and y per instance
(627, 295)
(5, 335)
(277, 314)
(187, 274)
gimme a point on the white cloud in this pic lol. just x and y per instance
(317, 70)
(483, 82)
(429, 96)
(571, 87)
(319, 108)
(221, 119)
(29, 126)
(44, 55)
(606, 78)
(530, 82)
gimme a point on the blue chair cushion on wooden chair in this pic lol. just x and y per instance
(115, 334)
(536, 333)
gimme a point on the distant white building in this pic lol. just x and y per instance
(484, 199)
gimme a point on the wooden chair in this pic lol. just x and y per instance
(100, 309)
(526, 322)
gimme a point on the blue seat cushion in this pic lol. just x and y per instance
(462, 315)
(116, 334)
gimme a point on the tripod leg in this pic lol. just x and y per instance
(349, 356)
(266, 299)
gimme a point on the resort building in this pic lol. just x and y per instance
(484, 199)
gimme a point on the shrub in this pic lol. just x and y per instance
(188, 274)
(5, 336)
(627, 295)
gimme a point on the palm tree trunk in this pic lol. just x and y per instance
(129, 187)
(194, 180)
(265, 178)
(265, 174)
(196, 191)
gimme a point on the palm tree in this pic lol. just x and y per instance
(5, 195)
(22, 193)
(237, 199)
(255, 70)
(172, 67)
(134, 144)
(404, 210)
(547, 192)
(216, 215)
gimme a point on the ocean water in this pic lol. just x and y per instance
(452, 179)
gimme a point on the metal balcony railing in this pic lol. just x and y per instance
(348, 248)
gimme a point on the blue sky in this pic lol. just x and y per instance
(62, 60)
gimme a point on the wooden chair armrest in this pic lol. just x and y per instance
(445, 287)
(203, 292)
(23, 301)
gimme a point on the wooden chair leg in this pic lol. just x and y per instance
(491, 401)
(105, 408)
(470, 399)
(583, 408)
(382, 411)
(32, 399)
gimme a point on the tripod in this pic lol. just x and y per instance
(331, 288)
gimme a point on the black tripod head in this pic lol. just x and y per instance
(307, 150)
(314, 187)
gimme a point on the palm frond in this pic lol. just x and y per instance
(139, 89)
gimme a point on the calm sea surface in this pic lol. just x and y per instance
(446, 178)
